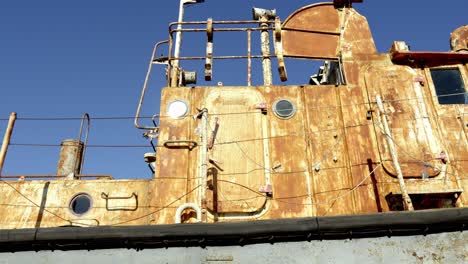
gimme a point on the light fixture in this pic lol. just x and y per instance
(177, 109)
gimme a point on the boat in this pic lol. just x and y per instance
(364, 162)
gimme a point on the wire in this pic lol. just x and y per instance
(228, 113)
(160, 209)
(162, 146)
(37, 205)
(88, 146)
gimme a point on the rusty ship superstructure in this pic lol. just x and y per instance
(374, 143)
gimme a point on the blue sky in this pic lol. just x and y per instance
(64, 58)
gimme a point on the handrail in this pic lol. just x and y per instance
(181, 143)
(46, 176)
(85, 143)
(175, 72)
(145, 85)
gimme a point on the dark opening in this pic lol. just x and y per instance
(449, 86)
(423, 201)
(284, 108)
(80, 204)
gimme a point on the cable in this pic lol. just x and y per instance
(160, 209)
(37, 205)
(161, 146)
(228, 113)
(88, 146)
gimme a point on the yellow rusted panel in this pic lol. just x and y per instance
(289, 155)
(330, 158)
(319, 39)
(240, 163)
(47, 203)
(332, 192)
(301, 44)
(172, 160)
(356, 38)
(413, 132)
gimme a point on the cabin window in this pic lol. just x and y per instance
(449, 86)
(284, 108)
(80, 204)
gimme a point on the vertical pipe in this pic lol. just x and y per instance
(249, 59)
(175, 71)
(266, 61)
(6, 140)
(203, 160)
(69, 163)
(179, 34)
(404, 193)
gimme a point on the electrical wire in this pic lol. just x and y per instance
(156, 211)
(88, 146)
(37, 205)
(162, 146)
(228, 113)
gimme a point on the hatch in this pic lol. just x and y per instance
(239, 155)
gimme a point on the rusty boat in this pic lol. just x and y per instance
(366, 162)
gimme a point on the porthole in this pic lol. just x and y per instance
(80, 204)
(284, 108)
(177, 109)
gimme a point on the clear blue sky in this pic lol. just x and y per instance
(64, 58)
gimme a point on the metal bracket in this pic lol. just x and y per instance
(262, 106)
(268, 189)
(442, 156)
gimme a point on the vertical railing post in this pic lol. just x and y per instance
(249, 58)
(6, 140)
(266, 61)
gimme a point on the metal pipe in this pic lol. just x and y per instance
(178, 216)
(6, 140)
(221, 29)
(145, 85)
(218, 22)
(404, 193)
(203, 156)
(249, 59)
(175, 67)
(179, 33)
(266, 62)
(70, 157)
(230, 57)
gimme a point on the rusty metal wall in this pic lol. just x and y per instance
(330, 158)
(47, 203)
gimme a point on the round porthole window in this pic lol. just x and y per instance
(283, 108)
(177, 109)
(80, 204)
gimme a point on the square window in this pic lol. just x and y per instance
(449, 86)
